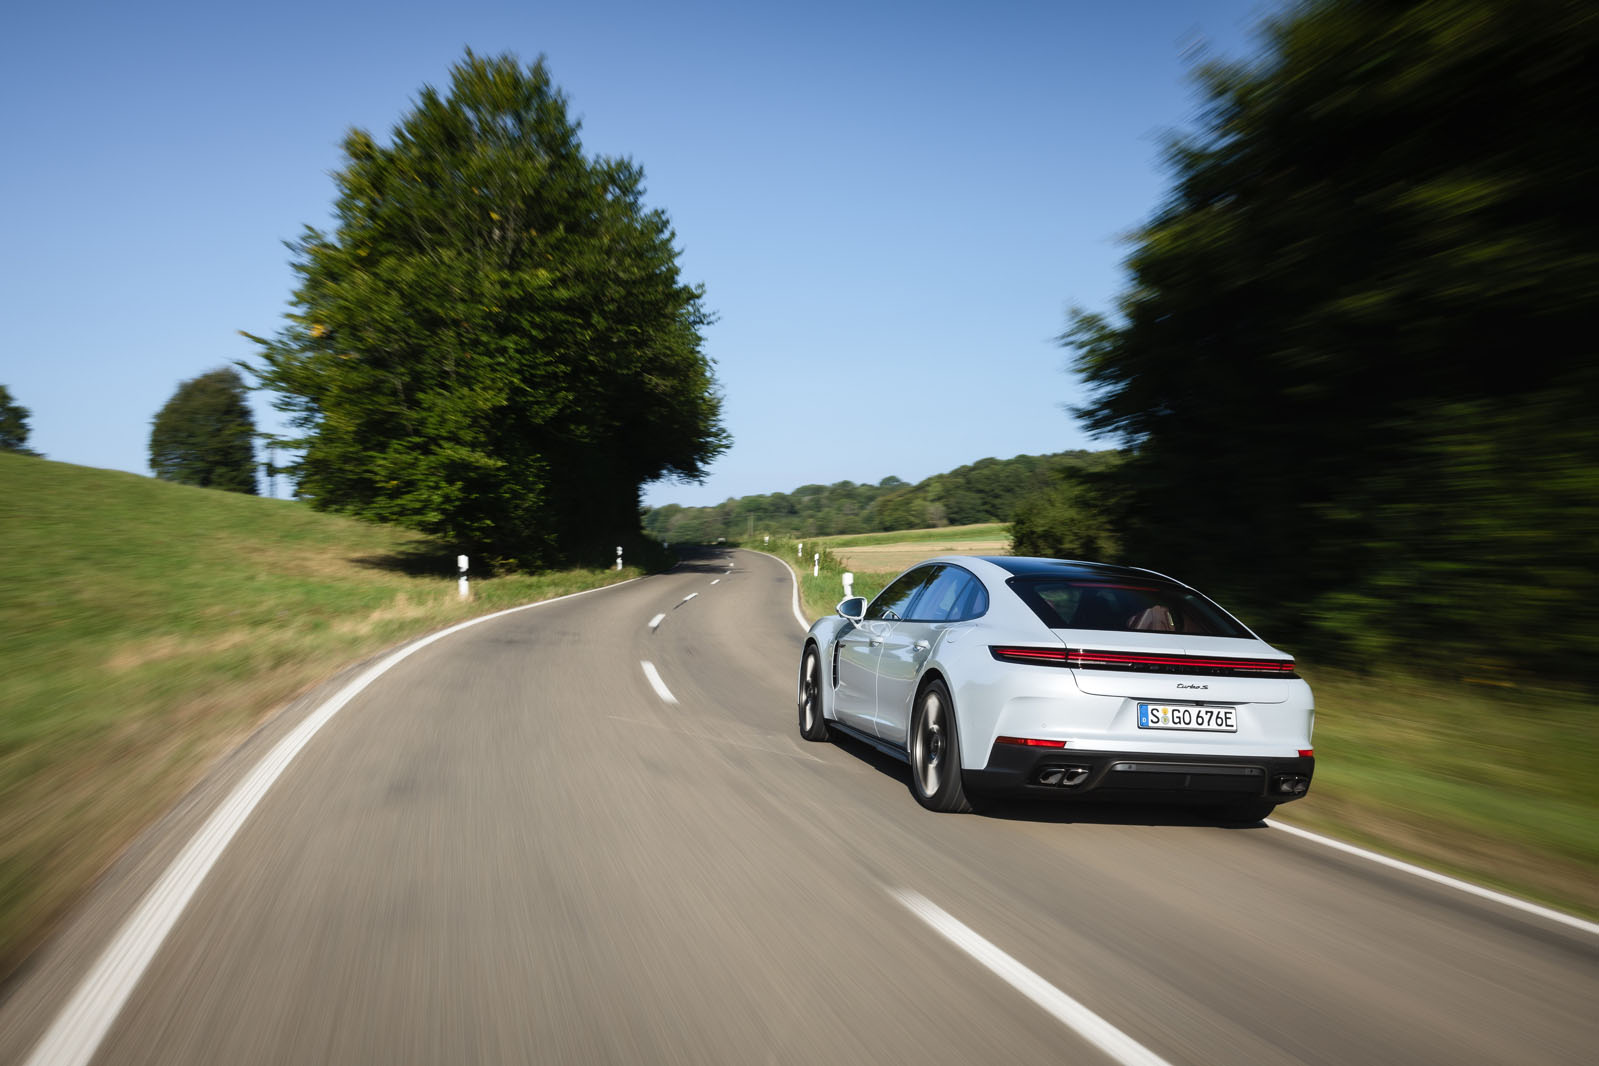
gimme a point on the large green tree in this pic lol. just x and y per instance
(1355, 365)
(205, 434)
(494, 344)
(13, 424)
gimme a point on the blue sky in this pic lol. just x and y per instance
(891, 205)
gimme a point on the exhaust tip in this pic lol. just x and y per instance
(1063, 776)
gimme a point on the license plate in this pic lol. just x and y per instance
(1205, 719)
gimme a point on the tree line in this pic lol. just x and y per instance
(1352, 373)
(988, 490)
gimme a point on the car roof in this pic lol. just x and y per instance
(1032, 566)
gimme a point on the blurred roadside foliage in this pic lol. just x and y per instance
(494, 345)
(1354, 368)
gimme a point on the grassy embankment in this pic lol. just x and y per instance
(1495, 785)
(146, 628)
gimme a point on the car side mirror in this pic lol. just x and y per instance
(853, 608)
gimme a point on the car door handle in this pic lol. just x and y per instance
(922, 645)
(876, 642)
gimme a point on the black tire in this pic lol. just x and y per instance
(1246, 812)
(812, 725)
(935, 752)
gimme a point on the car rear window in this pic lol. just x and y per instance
(1124, 606)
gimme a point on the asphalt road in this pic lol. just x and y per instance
(511, 848)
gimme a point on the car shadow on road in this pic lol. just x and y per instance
(1078, 810)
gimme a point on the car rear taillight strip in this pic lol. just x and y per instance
(1215, 666)
(1150, 663)
(1042, 656)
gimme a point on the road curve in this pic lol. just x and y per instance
(522, 845)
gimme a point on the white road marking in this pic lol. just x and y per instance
(685, 599)
(657, 620)
(76, 1033)
(716, 581)
(798, 616)
(656, 683)
(1063, 1008)
(1442, 879)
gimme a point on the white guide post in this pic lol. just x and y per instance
(619, 557)
(816, 565)
(461, 585)
(849, 584)
(766, 539)
(799, 552)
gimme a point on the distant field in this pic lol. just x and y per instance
(893, 552)
(146, 628)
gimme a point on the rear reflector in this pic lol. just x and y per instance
(1307, 753)
(1030, 742)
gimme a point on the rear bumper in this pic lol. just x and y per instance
(1118, 774)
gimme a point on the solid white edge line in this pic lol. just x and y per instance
(1443, 879)
(656, 683)
(81, 1025)
(1063, 1008)
(798, 616)
(657, 620)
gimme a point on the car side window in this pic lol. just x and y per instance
(973, 602)
(940, 601)
(893, 603)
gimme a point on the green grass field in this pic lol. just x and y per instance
(146, 628)
(1492, 784)
(987, 531)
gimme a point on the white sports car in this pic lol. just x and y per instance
(1059, 678)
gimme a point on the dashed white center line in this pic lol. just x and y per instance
(656, 683)
(657, 620)
(716, 581)
(685, 599)
(1066, 1010)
